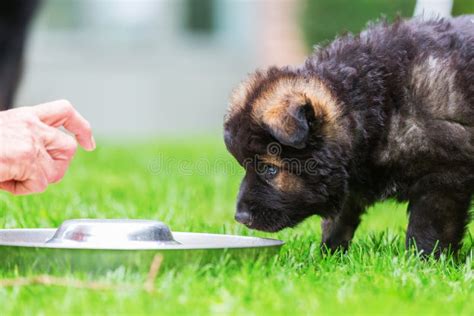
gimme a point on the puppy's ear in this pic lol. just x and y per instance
(292, 108)
(288, 120)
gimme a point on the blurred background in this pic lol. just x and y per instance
(142, 68)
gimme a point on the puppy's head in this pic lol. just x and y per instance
(284, 128)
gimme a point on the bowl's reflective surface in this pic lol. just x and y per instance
(125, 235)
(92, 250)
(112, 231)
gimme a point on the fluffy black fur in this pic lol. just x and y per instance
(15, 17)
(404, 94)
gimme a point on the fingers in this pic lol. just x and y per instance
(60, 149)
(47, 167)
(62, 113)
(9, 186)
(51, 160)
(34, 151)
(38, 176)
(37, 182)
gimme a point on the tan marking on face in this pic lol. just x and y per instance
(284, 181)
(272, 160)
(272, 106)
(287, 182)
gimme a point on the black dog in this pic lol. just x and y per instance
(387, 113)
(15, 17)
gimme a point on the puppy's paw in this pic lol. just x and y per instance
(335, 236)
(331, 247)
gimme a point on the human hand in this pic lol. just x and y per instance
(33, 151)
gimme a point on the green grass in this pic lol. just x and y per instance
(191, 185)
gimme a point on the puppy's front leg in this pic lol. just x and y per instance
(338, 231)
(438, 219)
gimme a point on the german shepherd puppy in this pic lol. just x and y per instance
(388, 113)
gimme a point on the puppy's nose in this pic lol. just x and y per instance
(243, 217)
(243, 214)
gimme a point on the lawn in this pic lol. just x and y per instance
(191, 184)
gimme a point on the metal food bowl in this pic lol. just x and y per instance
(99, 233)
(99, 244)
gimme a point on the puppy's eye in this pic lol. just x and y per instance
(270, 172)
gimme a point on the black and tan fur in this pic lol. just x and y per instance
(388, 113)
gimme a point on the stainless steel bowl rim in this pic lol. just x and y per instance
(38, 237)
